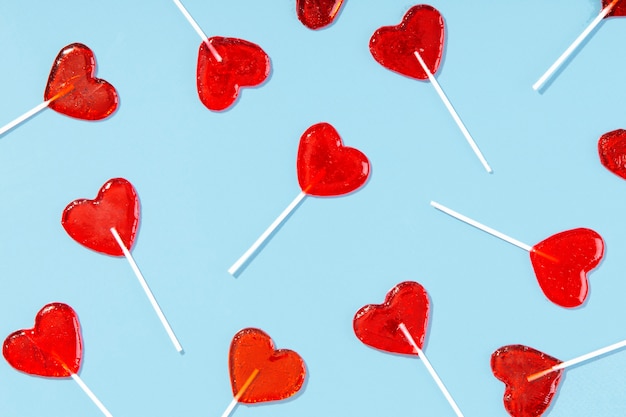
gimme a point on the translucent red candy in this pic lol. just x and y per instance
(612, 151)
(618, 10)
(81, 94)
(316, 14)
(421, 30)
(53, 348)
(562, 262)
(89, 222)
(281, 372)
(327, 168)
(243, 64)
(376, 325)
(512, 365)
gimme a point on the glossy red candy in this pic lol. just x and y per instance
(512, 365)
(562, 262)
(612, 151)
(281, 372)
(244, 64)
(83, 95)
(618, 10)
(316, 14)
(421, 30)
(89, 222)
(376, 325)
(327, 168)
(53, 348)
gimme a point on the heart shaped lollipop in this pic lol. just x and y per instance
(612, 151)
(281, 372)
(376, 325)
(240, 64)
(89, 222)
(399, 325)
(421, 30)
(316, 14)
(512, 365)
(562, 261)
(53, 348)
(90, 98)
(619, 9)
(325, 166)
(108, 224)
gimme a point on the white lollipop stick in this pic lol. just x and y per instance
(453, 113)
(33, 111)
(430, 369)
(198, 30)
(147, 290)
(90, 394)
(573, 46)
(578, 360)
(234, 270)
(481, 226)
(235, 400)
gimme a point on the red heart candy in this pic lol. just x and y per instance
(81, 94)
(562, 261)
(244, 64)
(89, 222)
(281, 372)
(376, 325)
(316, 14)
(421, 30)
(618, 10)
(612, 151)
(326, 167)
(512, 365)
(52, 348)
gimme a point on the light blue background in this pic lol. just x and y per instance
(210, 183)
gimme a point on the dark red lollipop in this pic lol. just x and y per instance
(52, 348)
(612, 152)
(88, 98)
(376, 325)
(89, 222)
(513, 365)
(562, 261)
(421, 30)
(618, 10)
(240, 64)
(316, 14)
(325, 166)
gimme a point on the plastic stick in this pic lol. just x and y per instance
(147, 290)
(453, 113)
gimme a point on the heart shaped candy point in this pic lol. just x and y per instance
(619, 9)
(327, 168)
(53, 348)
(280, 375)
(89, 222)
(612, 151)
(513, 364)
(377, 325)
(316, 14)
(421, 30)
(562, 261)
(243, 64)
(75, 90)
